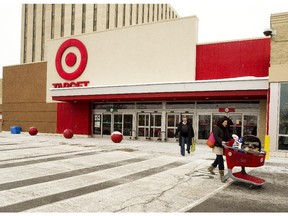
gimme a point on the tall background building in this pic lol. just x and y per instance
(42, 22)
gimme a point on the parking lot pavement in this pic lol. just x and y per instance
(48, 173)
(241, 197)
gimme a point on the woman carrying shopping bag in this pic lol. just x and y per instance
(221, 135)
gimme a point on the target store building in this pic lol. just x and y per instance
(139, 80)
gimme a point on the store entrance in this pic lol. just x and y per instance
(149, 126)
(242, 124)
(172, 122)
(106, 124)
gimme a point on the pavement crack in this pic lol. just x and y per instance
(200, 173)
(155, 197)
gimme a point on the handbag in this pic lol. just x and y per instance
(211, 140)
(192, 148)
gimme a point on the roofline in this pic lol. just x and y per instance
(195, 87)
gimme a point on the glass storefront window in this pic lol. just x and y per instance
(118, 106)
(118, 123)
(128, 122)
(155, 125)
(97, 124)
(236, 120)
(237, 105)
(141, 120)
(149, 106)
(107, 124)
(143, 125)
(204, 126)
(180, 105)
(216, 118)
(283, 118)
(172, 121)
(158, 120)
(283, 142)
(236, 127)
(250, 125)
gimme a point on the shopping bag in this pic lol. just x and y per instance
(211, 140)
(192, 148)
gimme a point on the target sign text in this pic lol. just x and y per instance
(68, 65)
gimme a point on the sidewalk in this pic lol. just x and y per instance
(47, 173)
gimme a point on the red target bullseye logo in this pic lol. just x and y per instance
(71, 59)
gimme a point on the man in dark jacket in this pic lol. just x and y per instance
(186, 133)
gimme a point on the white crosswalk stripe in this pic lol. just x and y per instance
(80, 176)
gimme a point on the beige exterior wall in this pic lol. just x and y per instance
(149, 53)
(262, 122)
(67, 19)
(278, 71)
(27, 107)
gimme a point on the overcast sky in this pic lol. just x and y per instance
(219, 20)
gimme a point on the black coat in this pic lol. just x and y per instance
(190, 132)
(221, 134)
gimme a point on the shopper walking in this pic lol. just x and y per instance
(221, 135)
(186, 133)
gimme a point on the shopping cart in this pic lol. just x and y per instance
(243, 158)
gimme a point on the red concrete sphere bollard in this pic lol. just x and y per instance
(68, 133)
(33, 131)
(116, 137)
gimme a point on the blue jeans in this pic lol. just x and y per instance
(219, 161)
(184, 140)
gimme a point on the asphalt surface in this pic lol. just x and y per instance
(49, 173)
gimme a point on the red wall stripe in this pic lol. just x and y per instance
(233, 59)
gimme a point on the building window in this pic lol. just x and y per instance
(116, 15)
(143, 12)
(148, 12)
(156, 105)
(25, 33)
(95, 18)
(52, 20)
(73, 19)
(157, 12)
(124, 14)
(34, 32)
(83, 18)
(62, 19)
(153, 12)
(162, 11)
(43, 32)
(283, 118)
(166, 6)
(107, 16)
(131, 9)
(137, 13)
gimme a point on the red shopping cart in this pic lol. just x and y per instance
(244, 157)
